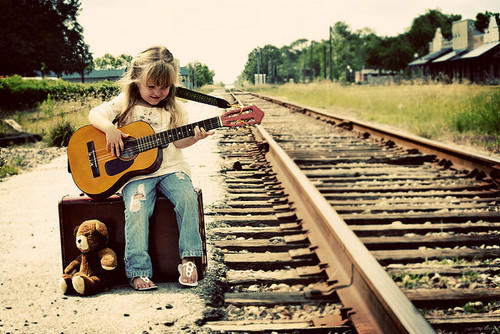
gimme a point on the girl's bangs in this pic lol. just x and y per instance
(161, 74)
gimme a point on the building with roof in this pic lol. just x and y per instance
(95, 75)
(114, 75)
(469, 56)
(185, 79)
(439, 47)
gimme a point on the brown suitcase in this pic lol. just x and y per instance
(163, 233)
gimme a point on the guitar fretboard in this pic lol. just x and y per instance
(168, 136)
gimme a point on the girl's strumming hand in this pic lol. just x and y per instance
(114, 140)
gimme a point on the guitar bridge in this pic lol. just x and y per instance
(93, 159)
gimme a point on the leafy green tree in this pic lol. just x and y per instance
(346, 52)
(298, 54)
(200, 74)
(351, 51)
(104, 62)
(85, 63)
(370, 51)
(125, 60)
(397, 53)
(270, 61)
(266, 60)
(108, 61)
(424, 27)
(483, 20)
(315, 56)
(289, 66)
(252, 65)
(41, 35)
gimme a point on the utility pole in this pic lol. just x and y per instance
(324, 61)
(194, 77)
(311, 74)
(258, 61)
(269, 69)
(347, 65)
(331, 60)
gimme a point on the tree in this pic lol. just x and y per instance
(396, 53)
(289, 66)
(84, 63)
(351, 51)
(108, 61)
(370, 51)
(263, 61)
(252, 65)
(424, 27)
(41, 35)
(344, 51)
(200, 74)
(483, 20)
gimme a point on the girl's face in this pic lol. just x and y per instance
(151, 93)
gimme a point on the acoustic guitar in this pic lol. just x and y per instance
(99, 174)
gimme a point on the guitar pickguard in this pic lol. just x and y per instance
(116, 166)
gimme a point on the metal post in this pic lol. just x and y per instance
(324, 61)
(331, 60)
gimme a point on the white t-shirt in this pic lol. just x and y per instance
(159, 119)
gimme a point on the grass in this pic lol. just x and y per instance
(54, 120)
(207, 89)
(463, 114)
(51, 115)
(8, 168)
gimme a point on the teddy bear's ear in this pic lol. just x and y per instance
(101, 228)
(75, 231)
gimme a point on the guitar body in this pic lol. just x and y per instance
(96, 171)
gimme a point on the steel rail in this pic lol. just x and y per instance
(374, 302)
(450, 155)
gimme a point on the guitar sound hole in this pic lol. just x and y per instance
(130, 150)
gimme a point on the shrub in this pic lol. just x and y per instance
(6, 170)
(18, 93)
(60, 134)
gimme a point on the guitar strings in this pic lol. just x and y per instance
(151, 141)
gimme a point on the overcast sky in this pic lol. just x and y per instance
(221, 33)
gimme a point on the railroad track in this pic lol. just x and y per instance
(333, 226)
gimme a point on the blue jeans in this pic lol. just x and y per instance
(139, 198)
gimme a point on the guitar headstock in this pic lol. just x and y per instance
(243, 116)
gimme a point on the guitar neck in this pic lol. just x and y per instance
(165, 137)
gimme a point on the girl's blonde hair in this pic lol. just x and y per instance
(155, 65)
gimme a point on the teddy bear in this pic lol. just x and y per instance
(86, 274)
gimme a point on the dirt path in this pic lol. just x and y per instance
(30, 260)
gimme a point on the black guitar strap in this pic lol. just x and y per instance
(192, 95)
(200, 97)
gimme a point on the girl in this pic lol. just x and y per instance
(148, 94)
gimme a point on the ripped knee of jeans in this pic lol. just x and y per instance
(137, 198)
(180, 175)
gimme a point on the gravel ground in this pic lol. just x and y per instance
(30, 256)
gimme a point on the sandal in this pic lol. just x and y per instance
(190, 269)
(145, 280)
